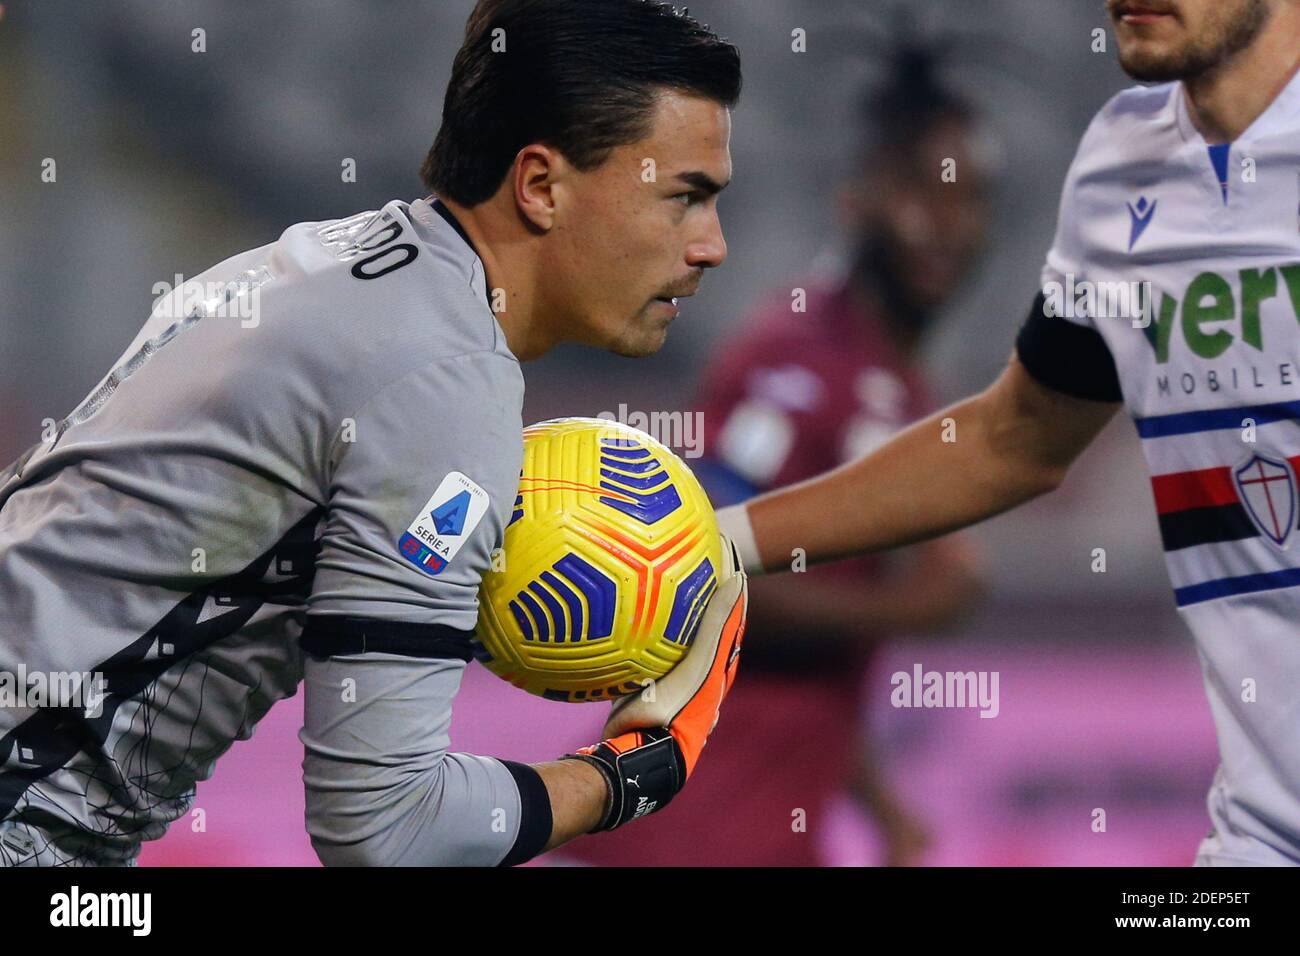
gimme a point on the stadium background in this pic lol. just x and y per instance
(169, 161)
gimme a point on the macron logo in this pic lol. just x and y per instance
(1141, 216)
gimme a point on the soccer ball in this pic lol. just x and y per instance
(610, 555)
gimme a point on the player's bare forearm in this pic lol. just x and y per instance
(973, 460)
(578, 798)
(937, 587)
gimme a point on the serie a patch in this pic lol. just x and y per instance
(444, 524)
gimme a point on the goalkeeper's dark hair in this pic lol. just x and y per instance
(912, 101)
(578, 75)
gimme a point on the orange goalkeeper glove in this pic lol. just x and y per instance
(653, 745)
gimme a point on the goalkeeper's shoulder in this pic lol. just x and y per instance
(356, 303)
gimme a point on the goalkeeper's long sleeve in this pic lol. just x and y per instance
(382, 790)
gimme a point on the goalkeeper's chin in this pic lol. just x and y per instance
(648, 331)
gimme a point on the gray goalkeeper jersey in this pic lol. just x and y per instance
(319, 438)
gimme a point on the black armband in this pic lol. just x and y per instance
(535, 816)
(1067, 357)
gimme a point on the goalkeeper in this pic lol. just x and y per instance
(219, 520)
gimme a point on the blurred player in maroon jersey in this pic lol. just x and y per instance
(789, 395)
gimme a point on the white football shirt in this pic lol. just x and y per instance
(1209, 239)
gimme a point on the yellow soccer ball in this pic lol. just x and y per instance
(610, 555)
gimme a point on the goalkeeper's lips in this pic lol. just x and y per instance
(669, 305)
(670, 302)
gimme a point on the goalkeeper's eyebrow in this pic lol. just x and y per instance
(703, 182)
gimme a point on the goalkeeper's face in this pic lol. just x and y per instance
(637, 232)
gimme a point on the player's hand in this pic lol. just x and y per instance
(686, 700)
(654, 738)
